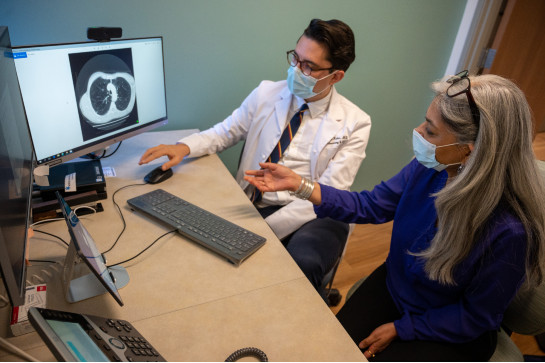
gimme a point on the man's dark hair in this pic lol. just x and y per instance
(337, 38)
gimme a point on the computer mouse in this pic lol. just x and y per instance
(157, 175)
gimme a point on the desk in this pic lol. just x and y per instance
(191, 304)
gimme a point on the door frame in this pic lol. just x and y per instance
(476, 33)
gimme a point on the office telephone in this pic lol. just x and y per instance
(78, 337)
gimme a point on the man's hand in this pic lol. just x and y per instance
(175, 153)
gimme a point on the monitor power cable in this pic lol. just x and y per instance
(93, 156)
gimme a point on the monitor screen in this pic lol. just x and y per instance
(16, 160)
(82, 97)
(87, 250)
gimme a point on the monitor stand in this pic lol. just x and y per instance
(80, 283)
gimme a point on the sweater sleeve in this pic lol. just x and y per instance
(376, 206)
(483, 302)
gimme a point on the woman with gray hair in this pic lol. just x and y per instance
(468, 232)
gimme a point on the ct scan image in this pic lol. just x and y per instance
(105, 91)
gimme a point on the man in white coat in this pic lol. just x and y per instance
(328, 146)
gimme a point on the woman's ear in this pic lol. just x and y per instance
(466, 151)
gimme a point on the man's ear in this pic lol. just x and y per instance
(337, 77)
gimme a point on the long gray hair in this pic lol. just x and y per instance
(502, 166)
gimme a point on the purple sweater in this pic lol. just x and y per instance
(486, 281)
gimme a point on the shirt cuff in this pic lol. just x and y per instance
(321, 210)
(405, 328)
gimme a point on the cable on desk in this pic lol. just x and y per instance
(248, 352)
(84, 207)
(44, 261)
(46, 221)
(52, 235)
(144, 250)
(58, 219)
(61, 218)
(13, 349)
(121, 214)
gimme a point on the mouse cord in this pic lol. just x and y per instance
(120, 214)
(248, 352)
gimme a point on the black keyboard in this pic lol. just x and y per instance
(213, 232)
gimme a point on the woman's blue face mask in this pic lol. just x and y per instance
(424, 151)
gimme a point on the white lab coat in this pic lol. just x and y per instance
(336, 155)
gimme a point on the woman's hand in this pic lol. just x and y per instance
(273, 177)
(378, 340)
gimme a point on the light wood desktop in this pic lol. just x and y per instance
(191, 304)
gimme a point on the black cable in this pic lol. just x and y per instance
(47, 261)
(93, 156)
(103, 156)
(144, 250)
(120, 214)
(248, 352)
(52, 235)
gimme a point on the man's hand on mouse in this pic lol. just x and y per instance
(175, 153)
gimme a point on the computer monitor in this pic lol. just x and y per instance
(82, 97)
(16, 160)
(92, 277)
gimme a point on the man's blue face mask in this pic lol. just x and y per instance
(424, 151)
(302, 85)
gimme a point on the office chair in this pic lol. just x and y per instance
(333, 296)
(525, 315)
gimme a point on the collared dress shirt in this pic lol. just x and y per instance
(298, 153)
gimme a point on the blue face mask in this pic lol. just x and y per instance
(424, 151)
(302, 85)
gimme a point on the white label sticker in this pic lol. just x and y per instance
(108, 171)
(70, 183)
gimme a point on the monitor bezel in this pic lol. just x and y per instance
(14, 288)
(115, 138)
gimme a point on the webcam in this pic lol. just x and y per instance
(103, 34)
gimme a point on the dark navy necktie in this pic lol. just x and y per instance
(282, 145)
